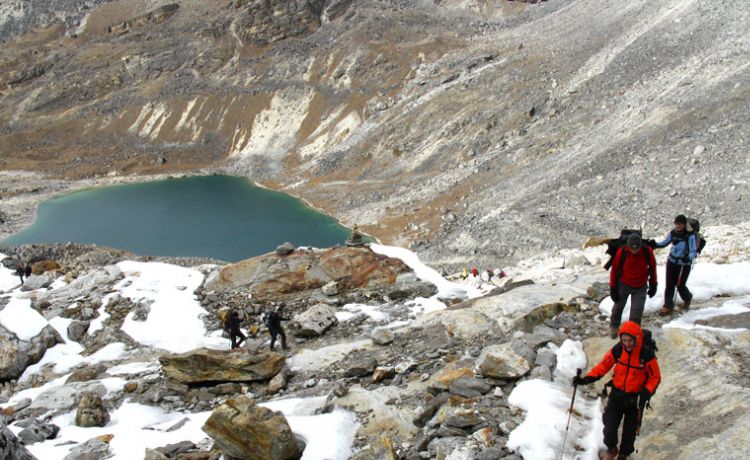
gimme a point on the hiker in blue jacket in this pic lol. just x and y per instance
(684, 251)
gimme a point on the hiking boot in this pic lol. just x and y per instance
(665, 311)
(686, 305)
(610, 454)
(622, 457)
(613, 331)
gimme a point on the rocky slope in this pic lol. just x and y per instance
(417, 384)
(476, 130)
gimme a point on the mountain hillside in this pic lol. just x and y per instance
(477, 131)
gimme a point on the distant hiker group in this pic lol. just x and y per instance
(636, 374)
(271, 319)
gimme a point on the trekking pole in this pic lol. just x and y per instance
(677, 284)
(570, 413)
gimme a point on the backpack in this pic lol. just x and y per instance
(693, 226)
(614, 244)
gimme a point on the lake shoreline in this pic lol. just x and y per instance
(26, 191)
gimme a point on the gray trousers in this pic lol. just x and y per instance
(637, 303)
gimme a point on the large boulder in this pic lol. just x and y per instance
(314, 321)
(304, 269)
(37, 431)
(16, 355)
(65, 397)
(244, 430)
(204, 365)
(10, 447)
(91, 411)
(502, 362)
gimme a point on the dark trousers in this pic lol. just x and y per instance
(621, 405)
(637, 302)
(274, 333)
(233, 337)
(677, 276)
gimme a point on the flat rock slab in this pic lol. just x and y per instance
(307, 269)
(204, 365)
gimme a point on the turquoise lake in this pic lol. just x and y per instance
(222, 217)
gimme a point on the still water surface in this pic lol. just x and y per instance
(223, 217)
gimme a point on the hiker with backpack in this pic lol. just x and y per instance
(685, 247)
(635, 379)
(633, 274)
(233, 323)
(273, 321)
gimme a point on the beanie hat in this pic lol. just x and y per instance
(634, 242)
(680, 219)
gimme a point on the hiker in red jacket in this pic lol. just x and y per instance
(633, 274)
(634, 381)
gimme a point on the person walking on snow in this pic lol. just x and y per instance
(234, 330)
(635, 379)
(633, 274)
(684, 251)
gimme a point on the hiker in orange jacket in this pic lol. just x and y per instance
(636, 377)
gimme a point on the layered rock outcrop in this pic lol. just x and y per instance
(305, 269)
(204, 365)
(243, 430)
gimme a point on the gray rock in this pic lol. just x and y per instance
(93, 449)
(442, 447)
(285, 249)
(469, 387)
(542, 334)
(277, 383)
(491, 453)
(462, 418)
(35, 282)
(541, 373)
(242, 429)
(77, 330)
(361, 367)
(382, 336)
(520, 347)
(16, 355)
(501, 362)
(546, 357)
(91, 411)
(331, 288)
(314, 321)
(38, 432)
(171, 450)
(67, 396)
(10, 447)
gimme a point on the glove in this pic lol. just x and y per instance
(643, 397)
(651, 242)
(652, 289)
(583, 380)
(615, 294)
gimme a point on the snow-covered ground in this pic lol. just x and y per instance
(173, 324)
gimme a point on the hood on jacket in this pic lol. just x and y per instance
(634, 330)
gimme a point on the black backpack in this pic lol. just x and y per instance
(614, 244)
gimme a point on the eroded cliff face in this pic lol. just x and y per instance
(477, 131)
